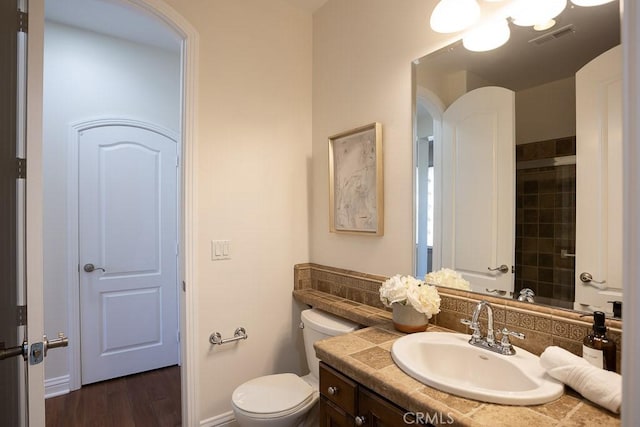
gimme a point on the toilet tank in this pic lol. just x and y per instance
(318, 325)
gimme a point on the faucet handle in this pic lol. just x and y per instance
(507, 333)
(467, 322)
(470, 323)
(475, 327)
(507, 348)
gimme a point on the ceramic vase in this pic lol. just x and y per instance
(407, 319)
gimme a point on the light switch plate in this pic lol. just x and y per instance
(220, 250)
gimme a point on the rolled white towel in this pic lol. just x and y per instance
(597, 385)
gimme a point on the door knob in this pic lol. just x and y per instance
(21, 350)
(61, 341)
(502, 269)
(587, 279)
(90, 267)
(360, 420)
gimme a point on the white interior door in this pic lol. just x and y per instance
(599, 182)
(478, 193)
(128, 232)
(13, 367)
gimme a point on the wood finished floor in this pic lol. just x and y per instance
(149, 399)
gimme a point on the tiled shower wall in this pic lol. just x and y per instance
(546, 222)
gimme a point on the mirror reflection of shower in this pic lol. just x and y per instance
(545, 214)
(550, 246)
(546, 220)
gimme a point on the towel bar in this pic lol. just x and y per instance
(239, 334)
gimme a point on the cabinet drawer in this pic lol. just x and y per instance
(338, 389)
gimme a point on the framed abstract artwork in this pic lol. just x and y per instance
(356, 190)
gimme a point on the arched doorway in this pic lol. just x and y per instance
(186, 43)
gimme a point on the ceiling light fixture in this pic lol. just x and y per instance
(450, 16)
(488, 36)
(527, 13)
(545, 26)
(589, 3)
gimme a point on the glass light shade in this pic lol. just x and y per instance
(545, 25)
(588, 3)
(527, 13)
(450, 16)
(488, 36)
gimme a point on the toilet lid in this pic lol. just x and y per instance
(272, 394)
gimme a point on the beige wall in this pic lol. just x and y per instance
(254, 132)
(264, 187)
(547, 111)
(362, 55)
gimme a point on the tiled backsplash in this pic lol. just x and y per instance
(543, 326)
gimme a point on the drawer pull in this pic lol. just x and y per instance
(332, 390)
(360, 420)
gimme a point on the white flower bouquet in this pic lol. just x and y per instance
(407, 290)
(447, 277)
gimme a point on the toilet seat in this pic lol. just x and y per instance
(273, 396)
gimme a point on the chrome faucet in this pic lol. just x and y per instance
(477, 337)
(489, 342)
(526, 294)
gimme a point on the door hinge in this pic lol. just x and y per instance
(184, 286)
(178, 336)
(21, 168)
(21, 315)
(23, 22)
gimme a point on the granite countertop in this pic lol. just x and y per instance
(365, 356)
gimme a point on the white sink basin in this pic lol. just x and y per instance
(446, 361)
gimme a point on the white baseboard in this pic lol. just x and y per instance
(56, 386)
(223, 420)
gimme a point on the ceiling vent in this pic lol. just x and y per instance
(553, 35)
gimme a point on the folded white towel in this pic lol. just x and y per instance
(597, 385)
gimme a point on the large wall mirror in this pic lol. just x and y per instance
(518, 178)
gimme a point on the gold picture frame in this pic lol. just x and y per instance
(356, 193)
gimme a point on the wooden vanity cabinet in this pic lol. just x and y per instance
(332, 415)
(344, 402)
(338, 398)
(377, 411)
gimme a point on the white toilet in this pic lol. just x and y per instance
(286, 400)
